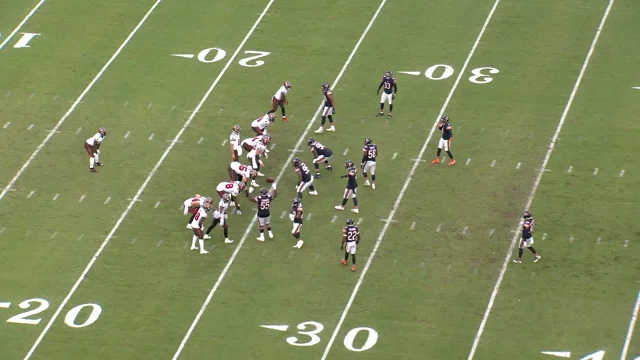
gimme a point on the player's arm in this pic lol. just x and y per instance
(358, 238)
(284, 98)
(331, 99)
(344, 239)
(200, 222)
(253, 199)
(298, 215)
(274, 192)
(352, 173)
(395, 87)
(299, 176)
(364, 157)
(380, 86)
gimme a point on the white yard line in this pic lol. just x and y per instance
(78, 100)
(536, 183)
(284, 168)
(146, 181)
(416, 163)
(24, 21)
(632, 325)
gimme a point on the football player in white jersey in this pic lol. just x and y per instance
(258, 151)
(92, 145)
(242, 172)
(234, 142)
(191, 206)
(261, 124)
(220, 217)
(280, 99)
(233, 189)
(196, 226)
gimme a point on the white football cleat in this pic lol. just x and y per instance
(314, 192)
(227, 241)
(251, 189)
(254, 183)
(189, 226)
(194, 248)
(260, 238)
(203, 252)
(373, 186)
(260, 174)
(206, 237)
(270, 235)
(298, 245)
(332, 128)
(367, 183)
(537, 258)
(338, 207)
(320, 130)
(355, 210)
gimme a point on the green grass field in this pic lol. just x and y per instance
(542, 98)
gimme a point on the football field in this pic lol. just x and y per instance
(543, 98)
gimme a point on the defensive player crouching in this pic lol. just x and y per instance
(352, 186)
(196, 226)
(191, 206)
(243, 173)
(233, 189)
(296, 217)
(389, 92)
(527, 238)
(445, 140)
(279, 99)
(261, 124)
(368, 164)
(350, 238)
(264, 200)
(92, 145)
(305, 180)
(320, 153)
(220, 217)
(329, 108)
(234, 141)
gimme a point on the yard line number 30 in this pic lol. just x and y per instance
(311, 329)
(71, 318)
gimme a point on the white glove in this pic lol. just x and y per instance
(98, 151)
(273, 186)
(291, 217)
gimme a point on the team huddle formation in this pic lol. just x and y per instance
(243, 174)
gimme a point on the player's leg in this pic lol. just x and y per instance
(274, 105)
(232, 174)
(330, 117)
(390, 99)
(200, 236)
(447, 148)
(296, 234)
(225, 231)
(213, 225)
(284, 115)
(328, 154)
(345, 198)
(257, 130)
(345, 261)
(520, 252)
(355, 201)
(193, 215)
(194, 240)
(353, 256)
(312, 189)
(440, 146)
(316, 165)
(261, 223)
(372, 168)
(529, 245)
(268, 226)
(323, 120)
(234, 199)
(382, 100)
(365, 175)
(92, 160)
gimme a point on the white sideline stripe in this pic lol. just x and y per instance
(536, 183)
(75, 104)
(632, 325)
(284, 168)
(416, 163)
(21, 24)
(155, 169)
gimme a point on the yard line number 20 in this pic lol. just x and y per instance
(38, 305)
(311, 329)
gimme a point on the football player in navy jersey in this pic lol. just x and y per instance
(328, 110)
(351, 188)
(368, 164)
(527, 238)
(390, 88)
(320, 153)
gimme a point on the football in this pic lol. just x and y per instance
(270, 179)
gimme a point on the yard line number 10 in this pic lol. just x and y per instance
(90, 313)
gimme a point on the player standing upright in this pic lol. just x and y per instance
(328, 110)
(352, 186)
(280, 99)
(305, 180)
(368, 164)
(445, 141)
(261, 124)
(220, 217)
(350, 238)
(390, 88)
(296, 217)
(234, 142)
(320, 153)
(92, 145)
(264, 210)
(527, 238)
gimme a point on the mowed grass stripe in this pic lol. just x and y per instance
(280, 174)
(78, 101)
(21, 24)
(416, 162)
(536, 183)
(147, 180)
